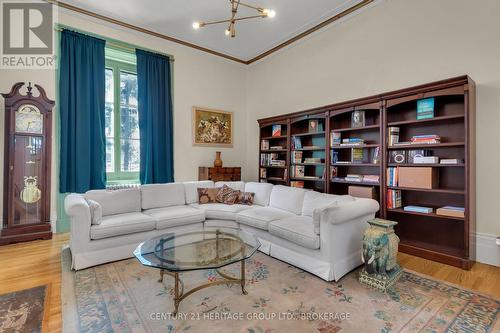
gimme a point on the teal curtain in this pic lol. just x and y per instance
(81, 91)
(155, 118)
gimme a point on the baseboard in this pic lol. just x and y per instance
(487, 251)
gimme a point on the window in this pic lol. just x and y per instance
(122, 122)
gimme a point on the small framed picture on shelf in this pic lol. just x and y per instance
(358, 119)
(333, 172)
(313, 126)
(376, 155)
(276, 130)
(397, 156)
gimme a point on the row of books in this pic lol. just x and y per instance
(264, 145)
(444, 211)
(430, 138)
(393, 199)
(271, 159)
(358, 178)
(392, 176)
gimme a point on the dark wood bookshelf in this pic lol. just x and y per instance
(442, 238)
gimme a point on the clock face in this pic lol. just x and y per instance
(29, 119)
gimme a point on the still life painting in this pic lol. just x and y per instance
(212, 127)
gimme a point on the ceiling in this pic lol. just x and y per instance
(174, 18)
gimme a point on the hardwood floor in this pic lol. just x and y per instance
(31, 264)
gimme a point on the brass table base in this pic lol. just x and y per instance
(179, 293)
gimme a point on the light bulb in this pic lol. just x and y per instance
(269, 13)
(227, 32)
(196, 25)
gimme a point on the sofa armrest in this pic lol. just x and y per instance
(78, 210)
(338, 214)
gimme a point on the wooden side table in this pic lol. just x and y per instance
(219, 174)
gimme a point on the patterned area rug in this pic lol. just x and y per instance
(22, 311)
(126, 297)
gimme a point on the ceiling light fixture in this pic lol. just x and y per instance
(231, 30)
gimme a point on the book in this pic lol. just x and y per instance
(358, 119)
(335, 138)
(451, 161)
(353, 140)
(275, 147)
(313, 126)
(296, 157)
(393, 199)
(357, 155)
(276, 130)
(371, 178)
(296, 142)
(418, 209)
(451, 211)
(298, 171)
(393, 136)
(312, 160)
(426, 160)
(264, 145)
(297, 183)
(425, 108)
(263, 173)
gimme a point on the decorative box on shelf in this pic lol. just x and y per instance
(219, 174)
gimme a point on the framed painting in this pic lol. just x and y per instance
(212, 128)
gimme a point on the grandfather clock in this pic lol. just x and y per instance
(27, 154)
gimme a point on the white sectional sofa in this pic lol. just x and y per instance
(317, 232)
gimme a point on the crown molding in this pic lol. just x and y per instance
(317, 27)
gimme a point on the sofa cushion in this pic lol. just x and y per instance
(221, 211)
(245, 198)
(227, 195)
(175, 216)
(117, 201)
(259, 217)
(207, 195)
(122, 224)
(314, 200)
(235, 185)
(297, 229)
(162, 195)
(262, 192)
(191, 189)
(287, 198)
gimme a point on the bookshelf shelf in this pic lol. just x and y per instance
(309, 134)
(273, 137)
(435, 190)
(340, 181)
(422, 121)
(273, 151)
(353, 129)
(308, 179)
(356, 164)
(436, 237)
(309, 149)
(460, 165)
(370, 145)
(428, 145)
(274, 166)
(317, 164)
(401, 211)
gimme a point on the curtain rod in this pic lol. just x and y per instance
(109, 41)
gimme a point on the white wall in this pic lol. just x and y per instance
(395, 44)
(200, 79)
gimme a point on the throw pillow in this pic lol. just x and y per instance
(95, 212)
(245, 198)
(207, 195)
(227, 195)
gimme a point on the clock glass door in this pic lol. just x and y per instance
(27, 178)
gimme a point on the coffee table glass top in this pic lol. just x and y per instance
(209, 248)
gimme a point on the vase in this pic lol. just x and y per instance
(218, 160)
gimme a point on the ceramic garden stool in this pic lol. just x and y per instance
(380, 250)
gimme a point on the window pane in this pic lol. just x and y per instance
(110, 155)
(109, 86)
(128, 89)
(129, 123)
(130, 155)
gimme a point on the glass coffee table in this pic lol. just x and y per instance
(210, 248)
